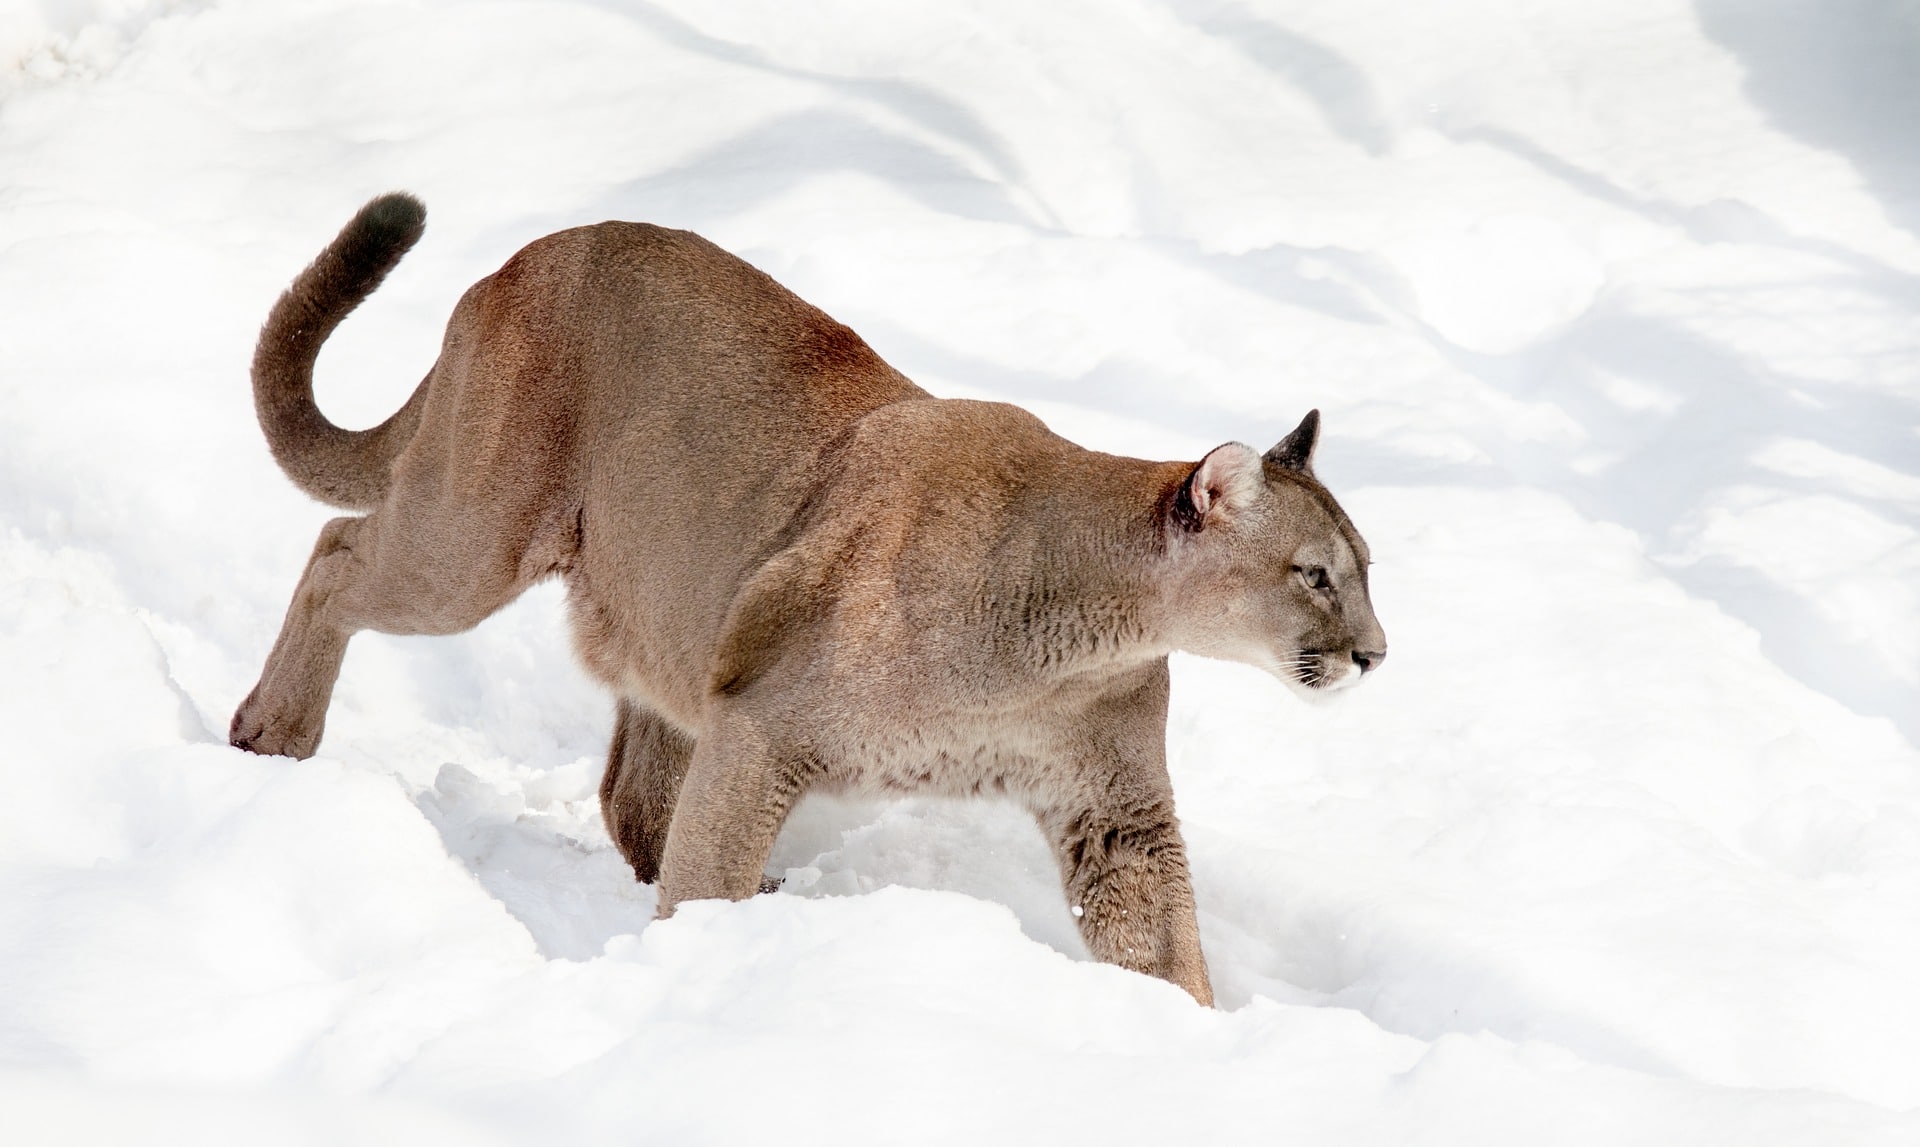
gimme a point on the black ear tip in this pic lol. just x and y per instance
(1295, 451)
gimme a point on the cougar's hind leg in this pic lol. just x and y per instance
(390, 571)
(645, 766)
(285, 712)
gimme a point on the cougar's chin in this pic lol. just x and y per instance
(1314, 674)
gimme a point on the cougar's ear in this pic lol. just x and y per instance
(1227, 478)
(1295, 451)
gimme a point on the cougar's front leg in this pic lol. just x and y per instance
(645, 768)
(1114, 834)
(1125, 872)
(741, 782)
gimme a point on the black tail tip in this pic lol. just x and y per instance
(395, 217)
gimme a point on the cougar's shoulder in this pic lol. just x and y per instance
(958, 550)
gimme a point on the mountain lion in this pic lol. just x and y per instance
(794, 567)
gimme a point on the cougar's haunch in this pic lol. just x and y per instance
(795, 568)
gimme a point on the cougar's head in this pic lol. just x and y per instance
(1268, 570)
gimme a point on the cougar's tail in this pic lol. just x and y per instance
(346, 468)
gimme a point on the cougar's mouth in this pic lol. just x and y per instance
(1310, 669)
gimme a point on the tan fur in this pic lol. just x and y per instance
(794, 567)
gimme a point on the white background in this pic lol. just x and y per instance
(1614, 314)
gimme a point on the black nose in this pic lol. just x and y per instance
(1368, 661)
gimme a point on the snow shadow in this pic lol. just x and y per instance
(1672, 459)
(1842, 75)
(924, 106)
(992, 851)
(1341, 90)
(765, 161)
(537, 846)
(1715, 409)
(1722, 221)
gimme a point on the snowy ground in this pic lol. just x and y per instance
(1614, 313)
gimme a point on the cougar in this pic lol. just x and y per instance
(793, 567)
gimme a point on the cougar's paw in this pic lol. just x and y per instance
(258, 731)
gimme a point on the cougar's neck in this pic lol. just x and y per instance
(1093, 595)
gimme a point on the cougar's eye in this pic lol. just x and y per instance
(1314, 576)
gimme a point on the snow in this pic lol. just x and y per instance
(1614, 315)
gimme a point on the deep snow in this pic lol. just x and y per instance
(1614, 314)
